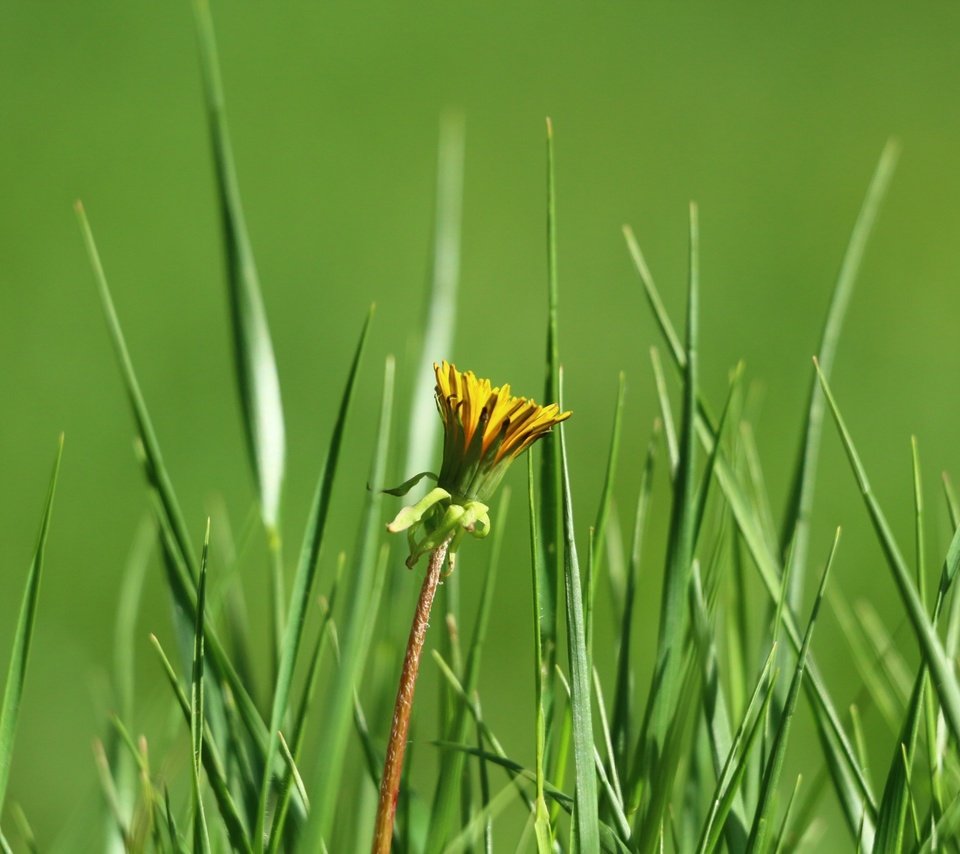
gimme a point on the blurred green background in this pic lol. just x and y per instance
(771, 117)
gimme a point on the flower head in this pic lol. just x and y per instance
(484, 430)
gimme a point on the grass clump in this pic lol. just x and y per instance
(691, 759)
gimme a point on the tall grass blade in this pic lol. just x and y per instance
(796, 523)
(23, 636)
(764, 815)
(944, 676)
(362, 601)
(661, 717)
(309, 554)
(666, 412)
(550, 486)
(254, 363)
(441, 304)
(606, 492)
(586, 817)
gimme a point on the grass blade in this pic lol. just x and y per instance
(586, 817)
(796, 523)
(661, 715)
(23, 636)
(201, 835)
(254, 364)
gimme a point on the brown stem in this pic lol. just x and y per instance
(396, 747)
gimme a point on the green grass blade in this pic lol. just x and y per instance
(623, 692)
(606, 493)
(764, 815)
(666, 412)
(23, 636)
(309, 553)
(932, 650)
(210, 756)
(784, 834)
(796, 523)
(254, 364)
(201, 834)
(587, 830)
(447, 792)
(661, 716)
(550, 485)
(441, 303)
(366, 580)
(156, 470)
(542, 828)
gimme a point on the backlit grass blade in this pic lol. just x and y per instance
(309, 553)
(446, 797)
(764, 815)
(254, 364)
(661, 717)
(23, 636)
(851, 785)
(439, 324)
(941, 667)
(666, 412)
(796, 523)
(586, 817)
(201, 839)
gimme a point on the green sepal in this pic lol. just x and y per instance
(413, 513)
(407, 485)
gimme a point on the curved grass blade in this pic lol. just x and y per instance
(796, 523)
(447, 792)
(23, 636)
(586, 817)
(254, 363)
(932, 650)
(363, 599)
(763, 817)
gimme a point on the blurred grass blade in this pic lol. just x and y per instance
(666, 412)
(307, 566)
(362, 602)
(784, 834)
(254, 364)
(661, 717)
(764, 815)
(23, 636)
(446, 796)
(201, 835)
(586, 817)
(941, 667)
(796, 523)
(441, 304)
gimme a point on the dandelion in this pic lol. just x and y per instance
(484, 430)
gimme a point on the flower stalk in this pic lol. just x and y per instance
(397, 745)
